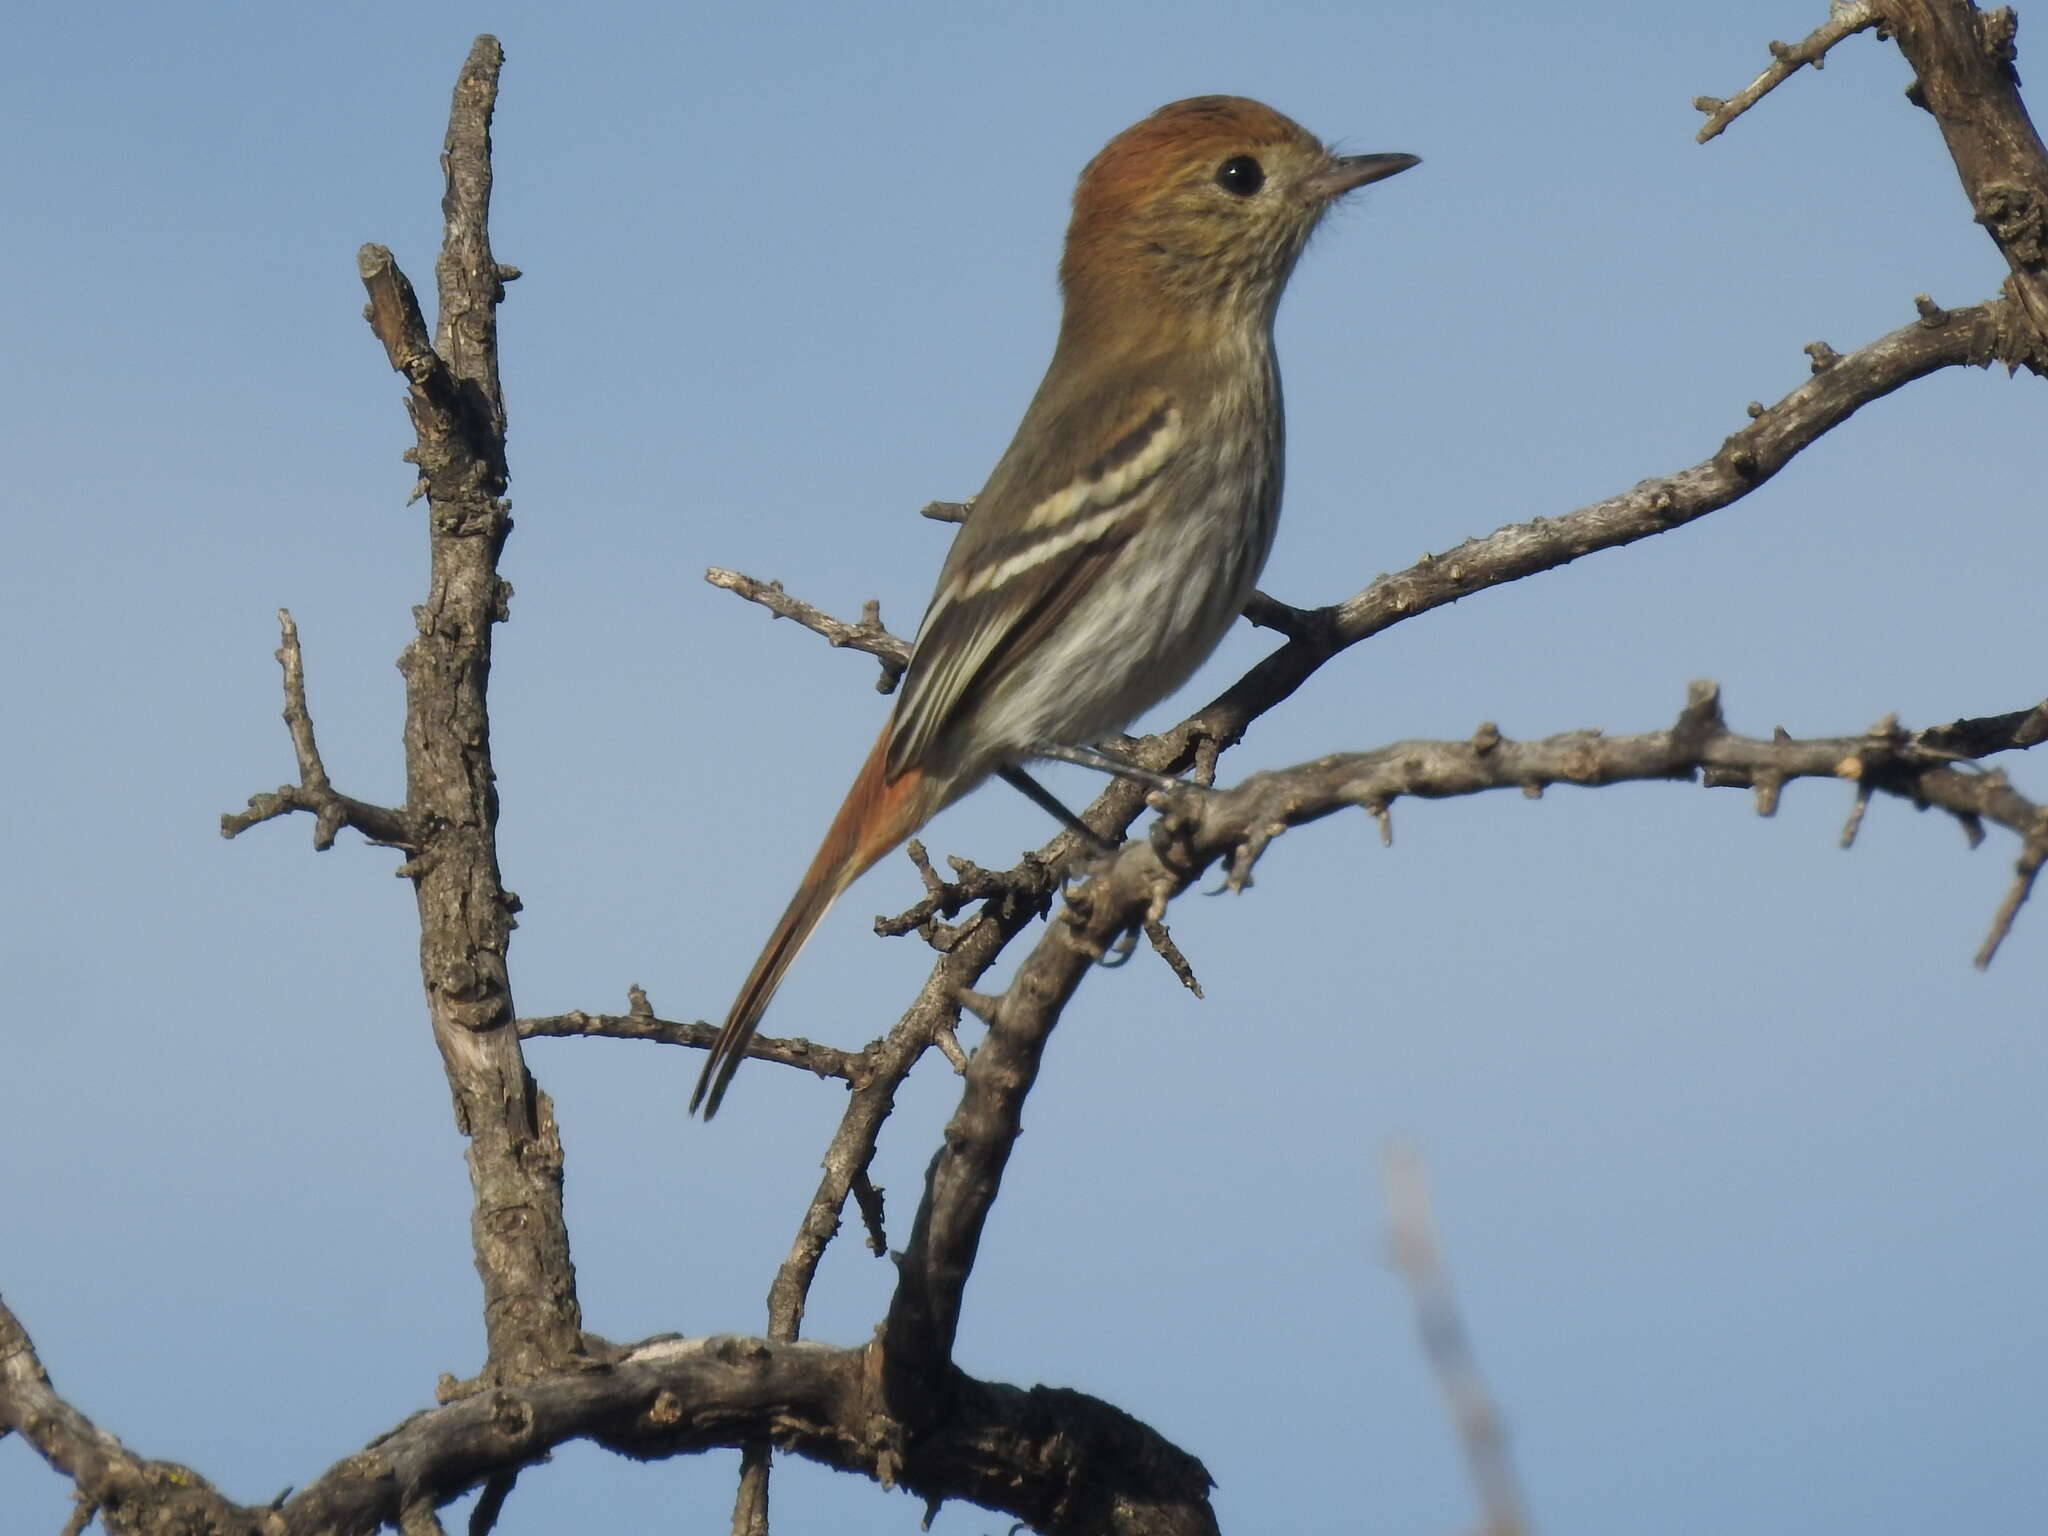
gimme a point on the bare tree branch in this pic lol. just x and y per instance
(483, 1519)
(1845, 19)
(127, 1493)
(1836, 390)
(1963, 58)
(867, 635)
(2016, 731)
(314, 792)
(1063, 1461)
(823, 1060)
(515, 1157)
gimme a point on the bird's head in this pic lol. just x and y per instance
(1201, 210)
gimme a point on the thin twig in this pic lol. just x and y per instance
(867, 635)
(821, 1060)
(1170, 952)
(314, 792)
(1845, 18)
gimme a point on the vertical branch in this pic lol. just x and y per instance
(515, 1156)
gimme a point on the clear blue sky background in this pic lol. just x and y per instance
(1740, 1165)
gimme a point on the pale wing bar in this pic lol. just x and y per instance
(1017, 577)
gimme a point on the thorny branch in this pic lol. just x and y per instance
(1234, 826)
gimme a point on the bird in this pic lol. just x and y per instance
(1126, 524)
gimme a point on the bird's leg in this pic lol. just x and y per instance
(1046, 801)
(1103, 762)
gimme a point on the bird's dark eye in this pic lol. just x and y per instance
(1240, 175)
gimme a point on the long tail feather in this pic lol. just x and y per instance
(876, 817)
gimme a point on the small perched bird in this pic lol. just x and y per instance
(1129, 519)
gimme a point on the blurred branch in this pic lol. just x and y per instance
(1411, 1236)
(1232, 827)
(1992, 733)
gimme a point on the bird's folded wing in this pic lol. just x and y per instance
(1038, 539)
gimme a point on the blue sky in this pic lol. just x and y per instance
(1739, 1164)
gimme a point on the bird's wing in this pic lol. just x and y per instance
(1039, 536)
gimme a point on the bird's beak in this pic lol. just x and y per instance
(1347, 173)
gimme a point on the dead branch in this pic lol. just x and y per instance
(1963, 60)
(1060, 1460)
(1232, 827)
(866, 635)
(126, 1492)
(331, 810)
(822, 1060)
(1845, 19)
(449, 822)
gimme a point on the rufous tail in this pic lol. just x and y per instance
(877, 815)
